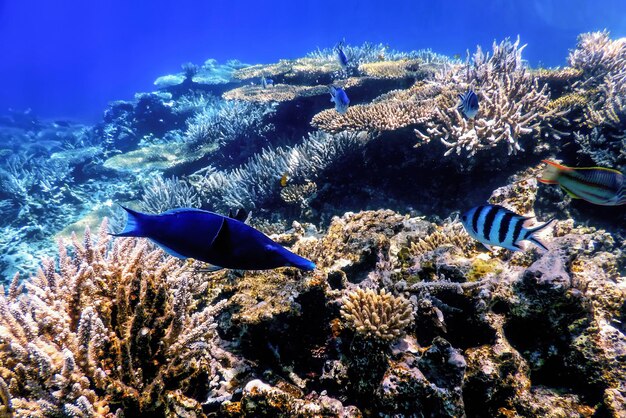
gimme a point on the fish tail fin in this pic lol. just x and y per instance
(538, 243)
(529, 234)
(531, 231)
(133, 227)
(552, 172)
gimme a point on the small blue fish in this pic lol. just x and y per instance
(340, 98)
(266, 82)
(212, 238)
(495, 225)
(469, 104)
(341, 56)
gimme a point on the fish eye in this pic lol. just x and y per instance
(463, 218)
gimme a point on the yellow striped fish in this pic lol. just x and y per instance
(597, 185)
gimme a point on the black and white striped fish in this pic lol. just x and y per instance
(495, 225)
(469, 104)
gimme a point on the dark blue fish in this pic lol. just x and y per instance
(340, 98)
(341, 57)
(469, 104)
(212, 238)
(266, 82)
(495, 225)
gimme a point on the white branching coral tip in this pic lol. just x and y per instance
(377, 315)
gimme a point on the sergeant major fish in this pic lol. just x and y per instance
(469, 104)
(495, 225)
(212, 238)
(340, 98)
(597, 185)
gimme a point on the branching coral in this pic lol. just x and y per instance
(227, 121)
(603, 62)
(299, 194)
(449, 234)
(511, 104)
(258, 181)
(113, 327)
(598, 56)
(605, 150)
(165, 194)
(377, 315)
(368, 53)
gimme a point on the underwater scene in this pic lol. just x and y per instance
(313, 210)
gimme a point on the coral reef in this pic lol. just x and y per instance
(112, 327)
(405, 314)
(258, 181)
(512, 104)
(377, 315)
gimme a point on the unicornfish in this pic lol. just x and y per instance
(215, 239)
(495, 225)
(598, 185)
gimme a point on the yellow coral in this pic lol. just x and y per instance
(377, 315)
(392, 69)
(558, 74)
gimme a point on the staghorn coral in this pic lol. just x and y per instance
(112, 328)
(598, 56)
(605, 150)
(165, 194)
(258, 181)
(603, 63)
(377, 315)
(370, 53)
(512, 104)
(228, 121)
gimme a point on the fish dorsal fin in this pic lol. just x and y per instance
(612, 170)
(241, 215)
(183, 210)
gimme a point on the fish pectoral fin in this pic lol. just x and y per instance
(487, 246)
(168, 250)
(569, 192)
(210, 269)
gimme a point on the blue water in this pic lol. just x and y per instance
(68, 59)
